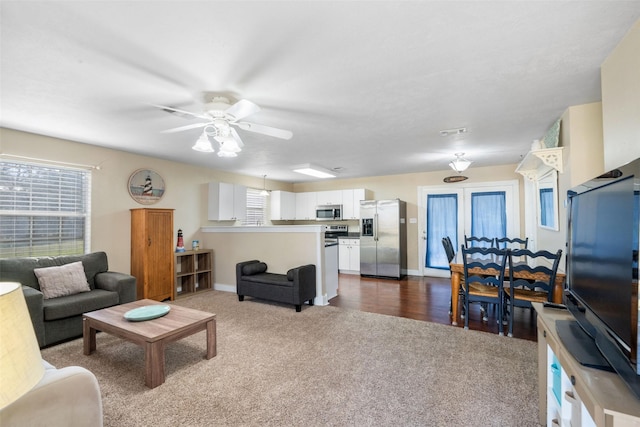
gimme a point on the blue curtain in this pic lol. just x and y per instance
(489, 214)
(442, 220)
(546, 207)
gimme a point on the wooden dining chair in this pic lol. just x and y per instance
(479, 242)
(512, 243)
(536, 278)
(484, 270)
(448, 249)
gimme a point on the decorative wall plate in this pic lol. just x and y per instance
(146, 186)
(455, 178)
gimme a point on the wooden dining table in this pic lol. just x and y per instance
(457, 273)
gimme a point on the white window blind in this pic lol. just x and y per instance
(44, 210)
(256, 208)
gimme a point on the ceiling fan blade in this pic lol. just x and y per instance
(237, 137)
(182, 112)
(242, 109)
(187, 127)
(266, 130)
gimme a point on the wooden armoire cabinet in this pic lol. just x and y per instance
(152, 249)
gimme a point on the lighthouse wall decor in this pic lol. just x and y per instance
(146, 186)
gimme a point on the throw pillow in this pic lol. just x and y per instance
(254, 268)
(62, 280)
(290, 275)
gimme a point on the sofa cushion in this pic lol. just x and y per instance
(255, 268)
(269, 279)
(75, 305)
(62, 280)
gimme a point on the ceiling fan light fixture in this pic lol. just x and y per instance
(460, 164)
(203, 144)
(227, 154)
(230, 145)
(315, 171)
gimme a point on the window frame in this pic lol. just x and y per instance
(255, 202)
(43, 194)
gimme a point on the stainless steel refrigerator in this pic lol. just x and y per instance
(383, 238)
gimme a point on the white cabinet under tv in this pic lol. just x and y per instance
(571, 394)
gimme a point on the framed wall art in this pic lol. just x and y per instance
(146, 186)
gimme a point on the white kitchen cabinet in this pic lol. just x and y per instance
(333, 197)
(349, 255)
(227, 202)
(351, 202)
(283, 205)
(306, 206)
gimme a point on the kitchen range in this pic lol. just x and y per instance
(333, 232)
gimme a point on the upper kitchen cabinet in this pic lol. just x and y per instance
(306, 206)
(283, 205)
(227, 202)
(329, 197)
(351, 202)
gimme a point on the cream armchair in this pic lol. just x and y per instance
(68, 397)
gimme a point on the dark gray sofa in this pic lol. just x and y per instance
(58, 319)
(296, 287)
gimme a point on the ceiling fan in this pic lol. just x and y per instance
(220, 115)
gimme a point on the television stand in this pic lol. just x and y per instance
(571, 394)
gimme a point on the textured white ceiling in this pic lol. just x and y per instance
(363, 85)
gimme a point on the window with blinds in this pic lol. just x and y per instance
(256, 208)
(44, 210)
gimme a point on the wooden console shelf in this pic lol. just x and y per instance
(573, 395)
(193, 271)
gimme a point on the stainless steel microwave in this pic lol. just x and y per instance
(328, 212)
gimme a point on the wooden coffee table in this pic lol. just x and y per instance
(152, 335)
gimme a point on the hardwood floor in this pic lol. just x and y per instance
(421, 298)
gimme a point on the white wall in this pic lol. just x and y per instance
(621, 101)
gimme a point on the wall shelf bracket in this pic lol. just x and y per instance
(538, 163)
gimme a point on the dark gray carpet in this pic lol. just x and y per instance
(322, 367)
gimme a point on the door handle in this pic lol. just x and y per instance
(148, 241)
(375, 227)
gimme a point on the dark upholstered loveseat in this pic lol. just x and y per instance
(60, 318)
(296, 287)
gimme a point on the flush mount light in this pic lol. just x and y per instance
(456, 131)
(313, 170)
(460, 164)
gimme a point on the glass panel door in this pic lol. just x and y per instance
(489, 209)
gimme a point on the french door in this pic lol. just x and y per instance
(487, 209)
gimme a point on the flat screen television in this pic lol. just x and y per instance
(602, 272)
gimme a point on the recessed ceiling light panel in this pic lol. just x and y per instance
(313, 170)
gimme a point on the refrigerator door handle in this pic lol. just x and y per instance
(375, 227)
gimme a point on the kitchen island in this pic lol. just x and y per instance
(281, 247)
